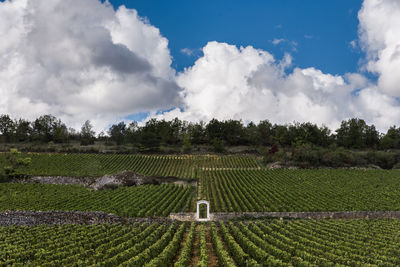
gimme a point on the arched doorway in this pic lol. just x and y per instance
(200, 202)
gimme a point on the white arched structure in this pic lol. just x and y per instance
(198, 211)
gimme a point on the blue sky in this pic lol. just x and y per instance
(322, 30)
(81, 60)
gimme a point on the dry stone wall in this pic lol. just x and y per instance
(30, 218)
(223, 216)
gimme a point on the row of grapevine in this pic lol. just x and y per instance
(238, 254)
(186, 253)
(314, 243)
(184, 166)
(300, 190)
(224, 259)
(137, 201)
(226, 162)
(233, 190)
(259, 243)
(165, 258)
(203, 261)
(86, 245)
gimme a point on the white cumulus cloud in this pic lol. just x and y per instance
(380, 37)
(81, 60)
(249, 84)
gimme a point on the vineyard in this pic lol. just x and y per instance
(231, 184)
(300, 190)
(141, 201)
(182, 166)
(267, 243)
(227, 191)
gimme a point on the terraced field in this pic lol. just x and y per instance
(301, 190)
(138, 201)
(309, 243)
(261, 243)
(182, 166)
(231, 184)
(241, 189)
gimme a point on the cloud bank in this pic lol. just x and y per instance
(379, 32)
(249, 84)
(83, 60)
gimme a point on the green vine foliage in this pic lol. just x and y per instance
(14, 160)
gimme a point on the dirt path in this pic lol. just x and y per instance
(200, 188)
(212, 257)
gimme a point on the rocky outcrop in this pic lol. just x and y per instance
(126, 178)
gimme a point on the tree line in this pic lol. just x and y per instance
(353, 133)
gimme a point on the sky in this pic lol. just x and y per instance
(285, 61)
(317, 33)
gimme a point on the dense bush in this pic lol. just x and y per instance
(308, 156)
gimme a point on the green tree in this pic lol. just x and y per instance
(23, 130)
(48, 128)
(391, 139)
(214, 130)
(218, 145)
(265, 133)
(6, 127)
(355, 133)
(187, 146)
(233, 132)
(197, 133)
(87, 134)
(117, 132)
(149, 137)
(281, 135)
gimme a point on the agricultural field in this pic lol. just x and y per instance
(135, 201)
(231, 184)
(261, 243)
(246, 188)
(301, 190)
(182, 166)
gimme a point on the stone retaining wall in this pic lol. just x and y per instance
(222, 216)
(184, 216)
(30, 218)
